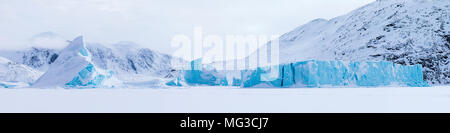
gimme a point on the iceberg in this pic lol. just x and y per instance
(313, 74)
(74, 69)
(337, 73)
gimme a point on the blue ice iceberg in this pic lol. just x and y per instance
(175, 82)
(199, 75)
(88, 77)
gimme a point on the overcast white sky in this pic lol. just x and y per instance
(153, 23)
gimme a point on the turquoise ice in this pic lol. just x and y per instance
(88, 77)
(337, 73)
(74, 69)
(315, 73)
(83, 51)
(175, 82)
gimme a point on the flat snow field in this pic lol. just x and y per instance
(225, 100)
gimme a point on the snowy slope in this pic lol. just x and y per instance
(14, 72)
(402, 31)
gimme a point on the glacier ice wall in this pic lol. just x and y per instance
(313, 73)
(336, 73)
(11, 71)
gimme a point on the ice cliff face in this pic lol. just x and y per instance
(74, 68)
(401, 31)
(37, 58)
(201, 74)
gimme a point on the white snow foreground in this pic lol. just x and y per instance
(74, 68)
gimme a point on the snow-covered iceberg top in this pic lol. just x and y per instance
(311, 73)
(336, 73)
(74, 69)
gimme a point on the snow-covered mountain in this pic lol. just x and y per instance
(402, 31)
(14, 72)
